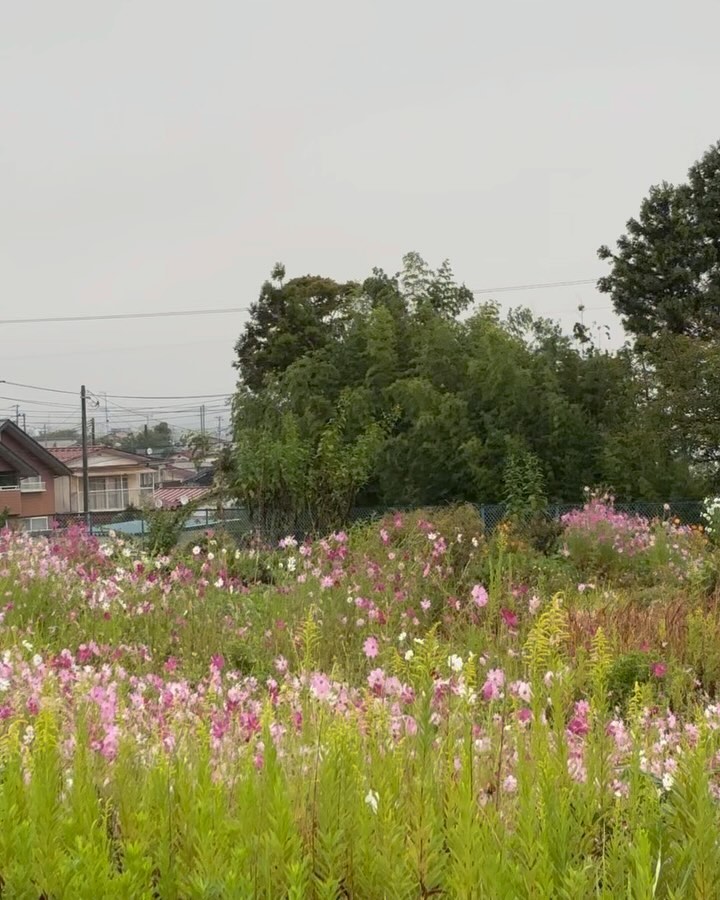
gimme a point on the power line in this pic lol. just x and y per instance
(168, 396)
(533, 287)
(104, 317)
(35, 387)
(228, 310)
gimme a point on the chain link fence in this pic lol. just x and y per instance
(243, 527)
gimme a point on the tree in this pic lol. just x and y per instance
(287, 321)
(158, 438)
(199, 444)
(445, 400)
(61, 434)
(665, 282)
(665, 273)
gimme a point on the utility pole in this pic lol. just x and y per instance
(85, 474)
(219, 421)
(202, 419)
(92, 430)
(17, 414)
(24, 422)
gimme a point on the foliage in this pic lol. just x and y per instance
(665, 276)
(164, 527)
(665, 283)
(199, 443)
(327, 718)
(463, 391)
(159, 439)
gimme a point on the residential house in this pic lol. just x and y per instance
(30, 479)
(118, 479)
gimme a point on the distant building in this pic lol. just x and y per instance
(118, 479)
(31, 478)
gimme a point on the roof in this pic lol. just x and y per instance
(70, 454)
(53, 463)
(173, 473)
(203, 478)
(172, 497)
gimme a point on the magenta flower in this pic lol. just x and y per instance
(376, 681)
(659, 670)
(370, 647)
(509, 618)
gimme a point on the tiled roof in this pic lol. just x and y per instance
(69, 454)
(172, 497)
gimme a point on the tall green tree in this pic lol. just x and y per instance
(289, 320)
(665, 283)
(665, 272)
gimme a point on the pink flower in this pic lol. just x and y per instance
(479, 595)
(320, 685)
(425, 605)
(370, 647)
(509, 618)
(510, 784)
(659, 670)
(376, 681)
(281, 665)
(492, 689)
(217, 662)
(326, 582)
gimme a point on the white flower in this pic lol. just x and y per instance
(667, 781)
(402, 636)
(291, 564)
(29, 735)
(4, 685)
(455, 662)
(409, 655)
(372, 799)
(211, 556)
(196, 550)
(475, 542)
(37, 660)
(27, 645)
(219, 583)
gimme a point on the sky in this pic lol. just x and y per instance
(162, 155)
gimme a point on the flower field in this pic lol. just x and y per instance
(412, 709)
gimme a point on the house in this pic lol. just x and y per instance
(30, 479)
(118, 479)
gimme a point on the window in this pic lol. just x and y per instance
(38, 523)
(109, 493)
(33, 483)
(8, 481)
(147, 480)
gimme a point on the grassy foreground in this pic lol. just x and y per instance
(410, 710)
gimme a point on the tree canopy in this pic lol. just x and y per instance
(395, 388)
(665, 272)
(664, 281)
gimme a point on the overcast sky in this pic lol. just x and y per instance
(162, 155)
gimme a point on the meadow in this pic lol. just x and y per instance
(412, 709)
